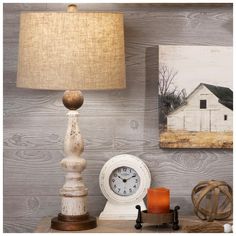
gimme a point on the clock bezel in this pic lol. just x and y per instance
(130, 161)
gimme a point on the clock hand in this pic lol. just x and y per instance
(124, 180)
(131, 177)
(120, 177)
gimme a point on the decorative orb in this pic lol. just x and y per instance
(73, 99)
(212, 200)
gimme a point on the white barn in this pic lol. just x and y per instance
(207, 108)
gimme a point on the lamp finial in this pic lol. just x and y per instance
(72, 8)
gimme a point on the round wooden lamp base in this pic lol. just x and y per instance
(73, 223)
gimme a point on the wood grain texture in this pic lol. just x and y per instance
(20, 225)
(112, 122)
(53, 137)
(38, 206)
(184, 168)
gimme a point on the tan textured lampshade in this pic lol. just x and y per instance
(79, 50)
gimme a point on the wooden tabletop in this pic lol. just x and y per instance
(112, 226)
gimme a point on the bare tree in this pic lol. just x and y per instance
(166, 78)
(169, 95)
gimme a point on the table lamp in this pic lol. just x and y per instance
(72, 51)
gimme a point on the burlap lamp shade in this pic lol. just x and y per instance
(71, 50)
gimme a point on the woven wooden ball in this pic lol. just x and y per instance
(212, 200)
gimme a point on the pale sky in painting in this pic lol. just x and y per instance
(199, 64)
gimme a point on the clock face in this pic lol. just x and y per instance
(124, 181)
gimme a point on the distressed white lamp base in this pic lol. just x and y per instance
(74, 214)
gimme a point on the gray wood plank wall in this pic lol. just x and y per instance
(112, 122)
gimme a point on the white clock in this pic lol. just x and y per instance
(124, 181)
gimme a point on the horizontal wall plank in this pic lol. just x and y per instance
(51, 105)
(9, 7)
(140, 7)
(47, 133)
(184, 26)
(11, 34)
(99, 133)
(14, 7)
(10, 55)
(137, 133)
(12, 11)
(20, 225)
(136, 99)
(28, 171)
(40, 206)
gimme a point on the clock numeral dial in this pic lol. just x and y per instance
(124, 181)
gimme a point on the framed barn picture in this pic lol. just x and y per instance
(195, 96)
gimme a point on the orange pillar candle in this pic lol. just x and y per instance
(158, 200)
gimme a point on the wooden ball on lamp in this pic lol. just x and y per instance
(73, 99)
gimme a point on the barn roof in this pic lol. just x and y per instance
(224, 94)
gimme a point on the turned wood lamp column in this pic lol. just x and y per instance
(74, 214)
(72, 51)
